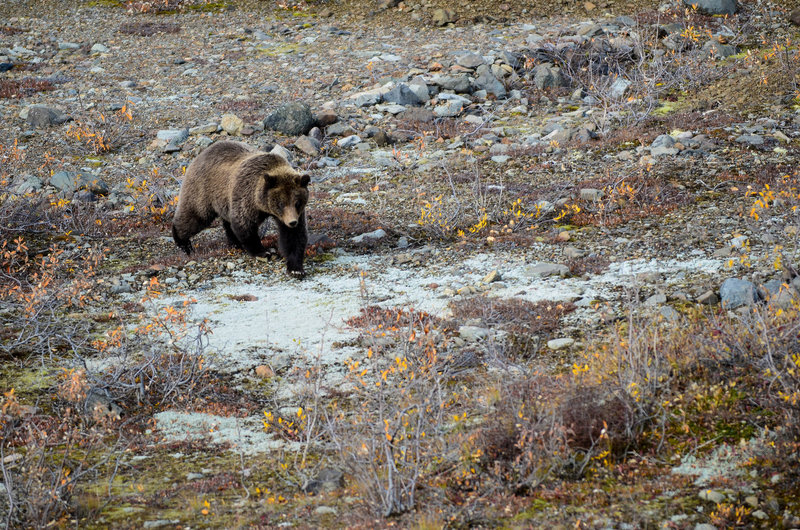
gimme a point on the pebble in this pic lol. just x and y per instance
(231, 124)
(712, 496)
(380, 233)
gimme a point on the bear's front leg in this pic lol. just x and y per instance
(292, 245)
(248, 238)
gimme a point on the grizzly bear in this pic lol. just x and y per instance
(243, 187)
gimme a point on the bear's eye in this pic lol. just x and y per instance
(297, 205)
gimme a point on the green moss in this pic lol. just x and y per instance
(537, 506)
(207, 7)
(280, 49)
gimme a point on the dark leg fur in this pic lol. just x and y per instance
(183, 244)
(232, 239)
(292, 245)
(184, 227)
(249, 240)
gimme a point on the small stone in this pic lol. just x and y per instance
(176, 136)
(68, 46)
(500, 159)
(264, 372)
(760, 515)
(704, 526)
(712, 496)
(208, 128)
(619, 87)
(493, 276)
(752, 501)
(282, 152)
(656, 299)
(794, 17)
(473, 333)
(563, 236)
(470, 60)
(231, 124)
(326, 117)
(669, 314)
(100, 48)
(325, 510)
(328, 479)
(349, 141)
(591, 194)
(560, 344)
(708, 298)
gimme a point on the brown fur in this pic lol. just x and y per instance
(243, 187)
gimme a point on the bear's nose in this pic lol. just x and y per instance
(292, 224)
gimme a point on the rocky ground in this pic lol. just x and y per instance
(594, 163)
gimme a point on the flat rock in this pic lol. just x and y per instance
(374, 235)
(470, 60)
(349, 141)
(546, 269)
(560, 344)
(307, 145)
(442, 17)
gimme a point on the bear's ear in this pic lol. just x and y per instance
(304, 180)
(271, 181)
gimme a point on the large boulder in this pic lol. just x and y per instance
(291, 119)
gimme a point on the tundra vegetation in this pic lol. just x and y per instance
(641, 157)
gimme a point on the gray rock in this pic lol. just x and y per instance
(470, 60)
(340, 129)
(488, 82)
(473, 333)
(712, 496)
(751, 139)
(714, 7)
(704, 526)
(99, 406)
(619, 87)
(402, 94)
(160, 523)
(374, 235)
(716, 49)
(669, 314)
(291, 119)
(449, 109)
(546, 269)
(326, 117)
(208, 128)
(63, 45)
(231, 124)
(100, 48)
(500, 159)
(457, 83)
(29, 184)
(121, 288)
(546, 75)
(176, 136)
(420, 88)
(328, 479)
(656, 299)
(560, 344)
(69, 182)
(735, 292)
(708, 298)
(281, 151)
(663, 140)
(349, 141)
(591, 194)
(307, 145)
(40, 116)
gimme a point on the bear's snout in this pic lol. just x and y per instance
(290, 217)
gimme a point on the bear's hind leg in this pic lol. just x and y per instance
(292, 245)
(184, 226)
(232, 239)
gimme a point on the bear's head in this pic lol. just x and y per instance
(285, 191)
